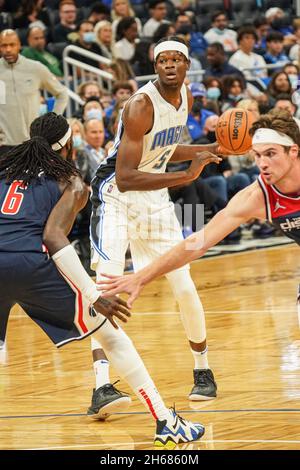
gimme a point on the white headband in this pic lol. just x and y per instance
(62, 142)
(269, 136)
(171, 46)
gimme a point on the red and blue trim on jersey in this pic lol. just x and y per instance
(282, 210)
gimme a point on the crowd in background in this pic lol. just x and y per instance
(243, 54)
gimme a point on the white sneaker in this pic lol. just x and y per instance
(170, 434)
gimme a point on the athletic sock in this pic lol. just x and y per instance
(201, 359)
(101, 369)
(150, 397)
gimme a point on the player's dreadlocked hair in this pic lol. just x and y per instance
(27, 160)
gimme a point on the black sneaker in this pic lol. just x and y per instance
(205, 387)
(107, 400)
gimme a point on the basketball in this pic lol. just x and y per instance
(232, 131)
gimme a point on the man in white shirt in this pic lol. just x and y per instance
(220, 33)
(158, 13)
(245, 57)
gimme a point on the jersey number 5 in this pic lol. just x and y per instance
(13, 199)
(162, 160)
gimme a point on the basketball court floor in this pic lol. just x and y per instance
(254, 351)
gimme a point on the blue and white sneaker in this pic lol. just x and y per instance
(168, 435)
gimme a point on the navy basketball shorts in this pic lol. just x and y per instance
(33, 281)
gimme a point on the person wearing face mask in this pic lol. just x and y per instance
(87, 41)
(79, 235)
(292, 71)
(221, 33)
(234, 90)
(213, 93)
(92, 109)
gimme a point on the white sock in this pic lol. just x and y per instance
(101, 369)
(201, 359)
(129, 365)
(152, 400)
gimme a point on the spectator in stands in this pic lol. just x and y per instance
(199, 114)
(262, 28)
(79, 155)
(279, 21)
(99, 12)
(87, 42)
(275, 53)
(284, 101)
(197, 42)
(122, 9)
(104, 38)
(94, 136)
(195, 65)
(294, 52)
(221, 33)
(67, 25)
(120, 90)
(218, 65)
(36, 50)
(245, 58)
(88, 89)
(293, 73)
(122, 71)
(79, 235)
(92, 109)
(158, 14)
(23, 79)
(6, 20)
(127, 34)
(234, 90)
(106, 100)
(31, 12)
(214, 89)
(279, 83)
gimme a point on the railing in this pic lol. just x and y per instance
(80, 72)
(104, 78)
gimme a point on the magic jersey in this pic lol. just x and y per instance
(160, 143)
(282, 210)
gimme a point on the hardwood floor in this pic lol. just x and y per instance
(254, 351)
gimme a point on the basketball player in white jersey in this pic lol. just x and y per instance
(131, 205)
(275, 196)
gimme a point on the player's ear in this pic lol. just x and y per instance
(188, 64)
(294, 151)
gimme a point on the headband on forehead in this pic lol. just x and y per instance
(62, 142)
(269, 136)
(171, 46)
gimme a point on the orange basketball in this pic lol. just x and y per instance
(232, 131)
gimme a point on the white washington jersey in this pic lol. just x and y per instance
(160, 143)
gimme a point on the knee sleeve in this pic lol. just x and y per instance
(106, 267)
(121, 352)
(190, 306)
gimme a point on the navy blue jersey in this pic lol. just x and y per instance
(24, 213)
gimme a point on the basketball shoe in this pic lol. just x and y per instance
(177, 431)
(107, 400)
(205, 387)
